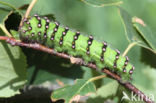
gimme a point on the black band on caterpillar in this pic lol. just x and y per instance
(46, 27)
(54, 31)
(116, 58)
(63, 34)
(103, 51)
(131, 71)
(125, 64)
(90, 40)
(39, 21)
(75, 38)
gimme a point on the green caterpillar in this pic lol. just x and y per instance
(62, 39)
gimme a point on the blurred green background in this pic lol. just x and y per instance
(105, 24)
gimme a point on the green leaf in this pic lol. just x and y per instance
(4, 13)
(109, 89)
(4, 10)
(101, 3)
(15, 34)
(145, 32)
(104, 92)
(81, 87)
(7, 10)
(131, 33)
(12, 70)
(12, 60)
(8, 5)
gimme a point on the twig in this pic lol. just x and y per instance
(39, 47)
(29, 10)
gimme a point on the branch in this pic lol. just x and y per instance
(39, 47)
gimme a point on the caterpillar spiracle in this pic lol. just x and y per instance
(51, 34)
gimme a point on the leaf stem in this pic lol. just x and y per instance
(128, 48)
(30, 8)
(97, 77)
